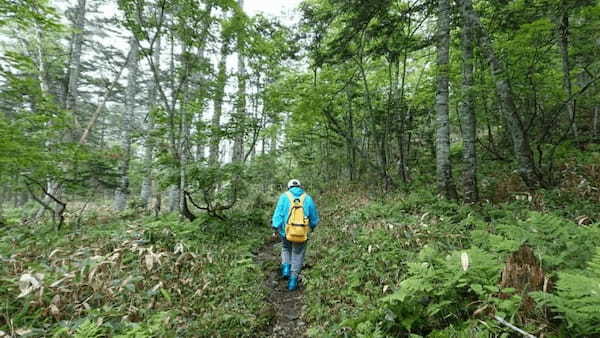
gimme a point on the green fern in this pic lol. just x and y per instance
(559, 242)
(88, 329)
(577, 299)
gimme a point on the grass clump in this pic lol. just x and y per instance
(415, 264)
(134, 278)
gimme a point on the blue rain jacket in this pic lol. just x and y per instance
(282, 210)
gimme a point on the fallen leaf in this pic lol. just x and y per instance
(584, 220)
(464, 261)
(54, 310)
(54, 252)
(28, 283)
(22, 332)
(480, 310)
(157, 286)
(149, 259)
(179, 248)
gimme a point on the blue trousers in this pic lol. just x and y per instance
(293, 253)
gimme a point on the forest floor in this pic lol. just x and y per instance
(287, 305)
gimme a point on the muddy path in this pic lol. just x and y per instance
(287, 306)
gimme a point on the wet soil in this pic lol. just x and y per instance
(286, 305)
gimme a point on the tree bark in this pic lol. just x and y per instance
(238, 144)
(467, 112)
(122, 192)
(75, 60)
(215, 139)
(102, 102)
(563, 38)
(596, 111)
(444, 169)
(173, 198)
(41, 59)
(520, 139)
(146, 191)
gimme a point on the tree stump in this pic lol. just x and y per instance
(524, 273)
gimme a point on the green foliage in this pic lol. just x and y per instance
(137, 278)
(560, 243)
(576, 298)
(438, 290)
(88, 329)
(395, 266)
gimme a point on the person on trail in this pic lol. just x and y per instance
(295, 214)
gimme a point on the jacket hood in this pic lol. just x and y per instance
(296, 191)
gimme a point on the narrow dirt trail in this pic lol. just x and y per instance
(287, 306)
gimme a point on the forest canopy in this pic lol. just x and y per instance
(455, 127)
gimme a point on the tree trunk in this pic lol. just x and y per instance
(238, 144)
(467, 112)
(520, 140)
(215, 139)
(596, 111)
(75, 60)
(563, 38)
(185, 122)
(173, 198)
(41, 60)
(174, 192)
(122, 192)
(444, 169)
(146, 191)
(273, 144)
(349, 142)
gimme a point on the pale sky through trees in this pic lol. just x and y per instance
(270, 7)
(284, 10)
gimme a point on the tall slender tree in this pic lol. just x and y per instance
(146, 190)
(215, 139)
(122, 192)
(240, 106)
(563, 38)
(515, 123)
(75, 58)
(467, 114)
(444, 168)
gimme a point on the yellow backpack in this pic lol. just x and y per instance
(296, 229)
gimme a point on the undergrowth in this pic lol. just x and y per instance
(134, 278)
(417, 265)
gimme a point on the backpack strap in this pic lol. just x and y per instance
(291, 198)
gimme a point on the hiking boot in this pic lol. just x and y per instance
(286, 270)
(293, 283)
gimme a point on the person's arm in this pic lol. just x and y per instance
(313, 213)
(280, 214)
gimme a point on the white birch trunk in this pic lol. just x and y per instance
(238, 145)
(213, 156)
(122, 192)
(75, 60)
(596, 111)
(563, 38)
(444, 169)
(467, 112)
(521, 147)
(146, 190)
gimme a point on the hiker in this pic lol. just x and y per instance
(294, 217)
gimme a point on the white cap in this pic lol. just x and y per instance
(294, 183)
